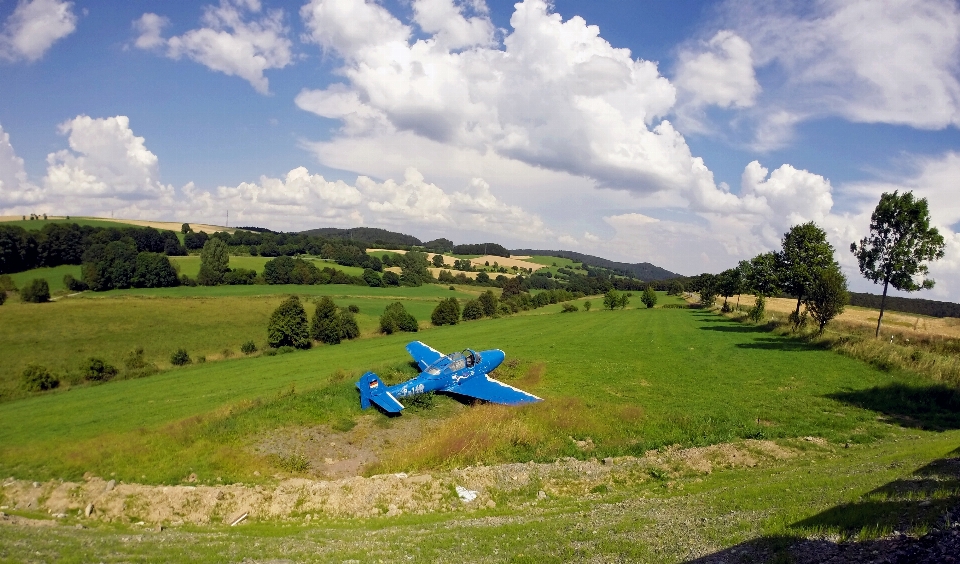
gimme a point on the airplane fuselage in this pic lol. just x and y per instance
(449, 371)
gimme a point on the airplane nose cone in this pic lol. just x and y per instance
(492, 359)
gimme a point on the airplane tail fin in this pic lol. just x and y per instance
(372, 389)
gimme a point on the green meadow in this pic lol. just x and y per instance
(630, 382)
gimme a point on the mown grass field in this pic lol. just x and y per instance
(630, 380)
(204, 320)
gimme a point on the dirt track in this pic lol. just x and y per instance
(391, 494)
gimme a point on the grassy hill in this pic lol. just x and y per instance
(642, 379)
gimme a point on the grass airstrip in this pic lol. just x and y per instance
(628, 382)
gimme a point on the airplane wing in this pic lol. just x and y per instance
(423, 354)
(486, 388)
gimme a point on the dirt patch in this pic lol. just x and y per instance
(301, 499)
(335, 454)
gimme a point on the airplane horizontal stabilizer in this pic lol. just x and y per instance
(423, 354)
(486, 388)
(387, 402)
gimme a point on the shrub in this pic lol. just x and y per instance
(756, 313)
(611, 300)
(96, 370)
(240, 277)
(3, 297)
(447, 312)
(649, 297)
(135, 360)
(180, 357)
(36, 378)
(288, 325)
(248, 348)
(372, 278)
(569, 308)
(489, 303)
(391, 278)
(353, 308)
(327, 322)
(708, 297)
(396, 318)
(472, 310)
(187, 281)
(587, 305)
(7, 284)
(73, 284)
(36, 292)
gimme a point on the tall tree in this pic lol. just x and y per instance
(899, 245)
(214, 262)
(805, 254)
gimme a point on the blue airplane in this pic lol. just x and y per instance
(463, 373)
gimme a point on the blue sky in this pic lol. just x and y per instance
(687, 134)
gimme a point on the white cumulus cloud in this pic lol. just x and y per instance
(15, 188)
(231, 41)
(555, 94)
(870, 61)
(105, 160)
(719, 74)
(34, 26)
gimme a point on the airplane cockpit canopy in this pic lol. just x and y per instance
(454, 361)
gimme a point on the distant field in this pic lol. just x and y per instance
(53, 276)
(37, 224)
(190, 265)
(206, 321)
(629, 380)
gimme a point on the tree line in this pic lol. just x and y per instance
(895, 253)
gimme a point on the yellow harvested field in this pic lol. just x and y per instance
(436, 272)
(447, 260)
(892, 320)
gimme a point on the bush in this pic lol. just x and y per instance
(756, 312)
(248, 348)
(353, 308)
(569, 308)
(96, 370)
(73, 284)
(447, 312)
(326, 326)
(587, 305)
(187, 281)
(135, 360)
(489, 303)
(180, 357)
(7, 284)
(649, 297)
(36, 292)
(708, 297)
(3, 297)
(36, 378)
(391, 278)
(288, 325)
(396, 318)
(240, 277)
(473, 310)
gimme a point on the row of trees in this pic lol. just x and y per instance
(894, 254)
(58, 243)
(805, 267)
